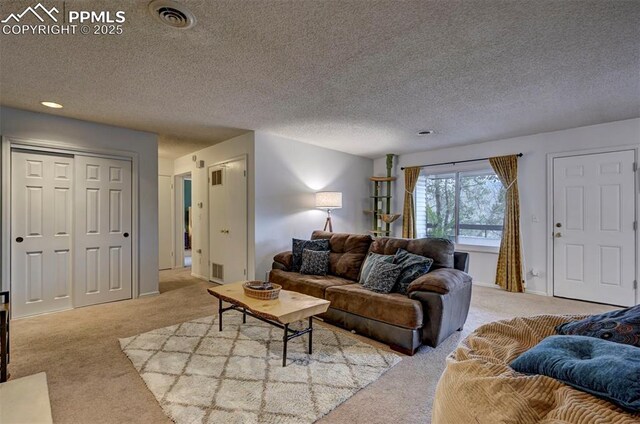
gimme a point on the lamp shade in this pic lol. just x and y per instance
(329, 200)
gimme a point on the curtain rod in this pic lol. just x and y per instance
(451, 163)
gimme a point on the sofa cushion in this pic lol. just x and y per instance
(313, 285)
(347, 252)
(285, 259)
(383, 277)
(315, 262)
(393, 308)
(413, 266)
(438, 249)
(298, 246)
(370, 261)
(442, 281)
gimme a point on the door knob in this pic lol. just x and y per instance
(558, 235)
(126, 235)
(558, 224)
(19, 239)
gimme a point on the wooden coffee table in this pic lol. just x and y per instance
(289, 307)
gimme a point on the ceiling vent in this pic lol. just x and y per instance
(172, 13)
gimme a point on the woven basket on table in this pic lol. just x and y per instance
(261, 294)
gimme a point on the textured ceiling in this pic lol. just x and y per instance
(173, 147)
(361, 76)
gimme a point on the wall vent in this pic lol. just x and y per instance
(172, 14)
(217, 271)
(216, 177)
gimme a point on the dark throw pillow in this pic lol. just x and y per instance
(413, 266)
(369, 261)
(604, 369)
(382, 277)
(315, 262)
(621, 326)
(298, 247)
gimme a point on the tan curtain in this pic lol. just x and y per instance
(509, 270)
(409, 212)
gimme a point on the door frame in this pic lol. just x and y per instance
(178, 224)
(34, 145)
(550, 205)
(172, 218)
(245, 158)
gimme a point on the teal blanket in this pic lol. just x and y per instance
(603, 368)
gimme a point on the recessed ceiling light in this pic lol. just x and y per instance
(52, 104)
(426, 132)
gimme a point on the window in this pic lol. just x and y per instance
(465, 207)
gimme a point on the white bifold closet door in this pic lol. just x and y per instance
(41, 233)
(102, 230)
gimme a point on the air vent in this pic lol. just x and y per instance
(217, 272)
(172, 13)
(216, 177)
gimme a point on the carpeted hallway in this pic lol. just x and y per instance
(92, 381)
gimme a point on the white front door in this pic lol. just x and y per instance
(594, 238)
(228, 222)
(103, 230)
(41, 233)
(165, 226)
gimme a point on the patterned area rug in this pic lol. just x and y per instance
(201, 375)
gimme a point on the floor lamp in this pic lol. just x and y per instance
(328, 200)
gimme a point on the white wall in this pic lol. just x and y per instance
(532, 184)
(287, 175)
(38, 126)
(235, 147)
(166, 214)
(165, 167)
(283, 176)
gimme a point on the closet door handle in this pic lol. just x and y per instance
(126, 235)
(19, 239)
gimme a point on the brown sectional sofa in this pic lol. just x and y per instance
(436, 306)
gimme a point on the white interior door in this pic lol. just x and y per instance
(102, 231)
(165, 222)
(236, 265)
(594, 237)
(217, 223)
(41, 233)
(228, 222)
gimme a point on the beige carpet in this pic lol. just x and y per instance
(92, 381)
(199, 374)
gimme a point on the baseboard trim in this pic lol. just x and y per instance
(491, 286)
(536, 292)
(153, 293)
(495, 286)
(202, 277)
